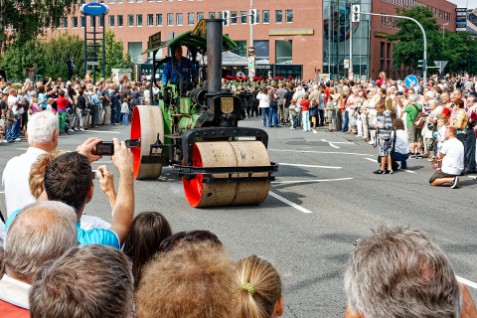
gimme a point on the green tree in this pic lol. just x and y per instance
(409, 45)
(25, 19)
(21, 56)
(460, 50)
(58, 51)
(115, 57)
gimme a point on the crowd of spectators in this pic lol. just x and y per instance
(58, 262)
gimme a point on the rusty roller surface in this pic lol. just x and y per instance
(227, 154)
(147, 122)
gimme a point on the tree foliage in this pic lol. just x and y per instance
(26, 19)
(48, 59)
(457, 48)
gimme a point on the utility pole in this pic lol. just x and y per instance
(424, 64)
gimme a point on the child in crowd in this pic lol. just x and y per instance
(9, 122)
(305, 113)
(294, 111)
(2, 130)
(125, 111)
(49, 105)
(261, 289)
(35, 107)
(329, 109)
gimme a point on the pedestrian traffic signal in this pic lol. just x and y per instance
(420, 64)
(355, 12)
(225, 17)
(253, 16)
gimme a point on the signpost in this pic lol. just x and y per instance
(411, 81)
(441, 65)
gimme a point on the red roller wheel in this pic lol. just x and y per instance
(227, 154)
(147, 122)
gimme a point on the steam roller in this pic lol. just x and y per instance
(195, 130)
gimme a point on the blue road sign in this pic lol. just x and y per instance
(411, 81)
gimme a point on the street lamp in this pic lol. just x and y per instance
(443, 35)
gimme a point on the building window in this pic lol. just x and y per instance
(111, 1)
(211, 15)
(111, 20)
(262, 49)
(159, 19)
(150, 19)
(233, 17)
(289, 15)
(75, 22)
(278, 16)
(83, 21)
(101, 21)
(139, 20)
(283, 51)
(243, 17)
(170, 19)
(120, 21)
(190, 18)
(130, 1)
(200, 16)
(120, 1)
(257, 16)
(131, 20)
(241, 48)
(266, 16)
(179, 18)
(65, 22)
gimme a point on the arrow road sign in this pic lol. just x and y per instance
(441, 65)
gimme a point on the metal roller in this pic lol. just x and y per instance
(147, 122)
(227, 154)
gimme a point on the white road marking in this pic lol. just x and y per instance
(331, 144)
(323, 152)
(293, 205)
(466, 282)
(373, 160)
(409, 171)
(337, 142)
(21, 148)
(310, 181)
(104, 131)
(309, 166)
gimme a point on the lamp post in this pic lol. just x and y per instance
(443, 35)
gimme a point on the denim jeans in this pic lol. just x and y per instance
(400, 157)
(16, 127)
(345, 121)
(9, 133)
(265, 115)
(125, 119)
(273, 116)
(305, 115)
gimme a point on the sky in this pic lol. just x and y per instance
(462, 3)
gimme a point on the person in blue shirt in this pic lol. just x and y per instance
(179, 70)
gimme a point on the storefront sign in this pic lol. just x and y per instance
(292, 32)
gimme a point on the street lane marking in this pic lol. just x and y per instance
(324, 152)
(310, 181)
(373, 160)
(309, 166)
(21, 148)
(293, 205)
(409, 171)
(466, 282)
(330, 143)
(336, 142)
(104, 131)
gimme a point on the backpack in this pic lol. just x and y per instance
(420, 118)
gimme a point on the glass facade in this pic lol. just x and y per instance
(337, 35)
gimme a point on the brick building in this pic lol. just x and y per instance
(304, 36)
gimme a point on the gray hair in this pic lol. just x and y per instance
(92, 281)
(401, 273)
(413, 97)
(41, 127)
(42, 231)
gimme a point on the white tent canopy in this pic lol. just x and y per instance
(228, 59)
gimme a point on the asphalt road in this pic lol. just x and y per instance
(324, 198)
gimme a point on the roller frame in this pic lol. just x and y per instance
(189, 172)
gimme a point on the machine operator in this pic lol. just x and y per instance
(179, 70)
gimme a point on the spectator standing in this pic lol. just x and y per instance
(17, 112)
(470, 141)
(125, 112)
(401, 144)
(414, 134)
(305, 113)
(9, 124)
(264, 106)
(281, 92)
(384, 126)
(62, 103)
(273, 116)
(286, 103)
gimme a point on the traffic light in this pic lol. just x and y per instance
(355, 12)
(225, 17)
(420, 64)
(253, 16)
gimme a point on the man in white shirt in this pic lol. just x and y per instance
(452, 157)
(42, 232)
